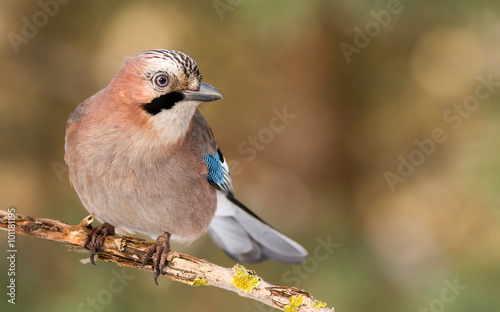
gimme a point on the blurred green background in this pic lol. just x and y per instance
(410, 213)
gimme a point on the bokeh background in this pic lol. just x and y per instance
(365, 82)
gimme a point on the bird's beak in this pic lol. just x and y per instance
(206, 93)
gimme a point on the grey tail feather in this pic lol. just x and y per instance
(246, 238)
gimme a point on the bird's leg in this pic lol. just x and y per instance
(160, 249)
(95, 238)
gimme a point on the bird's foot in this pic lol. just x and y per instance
(95, 239)
(160, 250)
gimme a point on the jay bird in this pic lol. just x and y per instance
(142, 158)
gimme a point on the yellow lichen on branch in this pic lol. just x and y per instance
(200, 282)
(295, 303)
(245, 280)
(129, 250)
(318, 305)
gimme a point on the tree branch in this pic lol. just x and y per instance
(128, 251)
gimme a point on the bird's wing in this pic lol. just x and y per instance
(235, 228)
(218, 172)
(246, 238)
(217, 168)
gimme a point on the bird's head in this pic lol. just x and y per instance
(164, 85)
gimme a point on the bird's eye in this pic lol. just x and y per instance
(160, 80)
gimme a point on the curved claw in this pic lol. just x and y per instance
(95, 239)
(160, 250)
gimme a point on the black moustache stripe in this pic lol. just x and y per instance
(166, 101)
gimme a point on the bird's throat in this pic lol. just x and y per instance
(173, 124)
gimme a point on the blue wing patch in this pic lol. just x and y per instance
(218, 172)
(214, 166)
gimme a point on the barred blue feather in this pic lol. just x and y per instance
(218, 172)
(214, 166)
